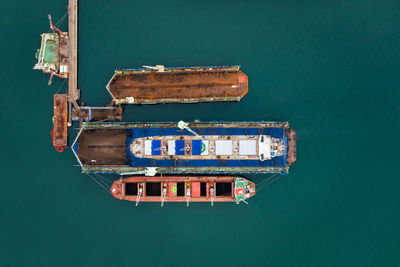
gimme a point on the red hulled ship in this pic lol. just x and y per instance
(183, 189)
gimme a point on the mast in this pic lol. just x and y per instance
(187, 194)
(212, 193)
(52, 27)
(140, 193)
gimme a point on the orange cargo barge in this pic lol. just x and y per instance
(183, 189)
(158, 84)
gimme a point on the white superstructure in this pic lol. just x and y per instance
(243, 147)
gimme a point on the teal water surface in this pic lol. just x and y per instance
(330, 68)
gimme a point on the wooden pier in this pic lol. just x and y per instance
(73, 94)
(62, 117)
(66, 107)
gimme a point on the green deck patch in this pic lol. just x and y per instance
(240, 187)
(47, 55)
(50, 51)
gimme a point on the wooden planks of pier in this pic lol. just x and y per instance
(60, 120)
(73, 94)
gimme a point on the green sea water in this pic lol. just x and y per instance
(330, 68)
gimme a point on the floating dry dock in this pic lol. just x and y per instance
(198, 147)
(177, 85)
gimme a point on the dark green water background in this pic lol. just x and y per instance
(330, 68)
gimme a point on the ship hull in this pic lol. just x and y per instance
(183, 189)
(105, 148)
(178, 85)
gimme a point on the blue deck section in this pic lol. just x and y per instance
(156, 147)
(75, 147)
(145, 162)
(196, 147)
(180, 147)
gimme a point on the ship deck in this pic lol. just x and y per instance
(103, 147)
(183, 86)
(176, 186)
(142, 132)
(106, 148)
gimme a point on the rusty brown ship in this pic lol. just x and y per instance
(159, 84)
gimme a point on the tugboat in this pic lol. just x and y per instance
(183, 189)
(52, 55)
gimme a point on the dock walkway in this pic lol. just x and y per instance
(73, 95)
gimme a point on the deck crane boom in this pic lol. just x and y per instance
(52, 27)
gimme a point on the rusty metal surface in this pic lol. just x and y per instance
(102, 147)
(291, 135)
(99, 114)
(212, 124)
(186, 170)
(63, 54)
(73, 53)
(60, 118)
(179, 86)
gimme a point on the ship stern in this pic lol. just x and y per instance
(116, 189)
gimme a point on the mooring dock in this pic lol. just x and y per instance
(66, 106)
(62, 117)
(73, 95)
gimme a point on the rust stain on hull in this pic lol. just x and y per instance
(60, 120)
(183, 86)
(292, 141)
